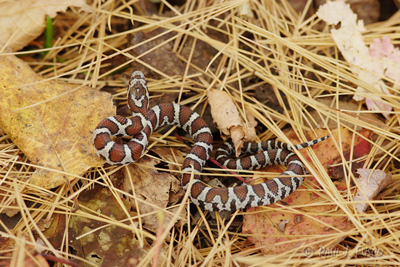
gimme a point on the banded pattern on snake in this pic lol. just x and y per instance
(145, 121)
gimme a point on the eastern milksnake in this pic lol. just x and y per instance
(145, 121)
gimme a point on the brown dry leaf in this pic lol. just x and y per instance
(152, 186)
(263, 227)
(223, 111)
(10, 250)
(22, 21)
(173, 155)
(7, 245)
(12, 208)
(108, 246)
(56, 230)
(156, 49)
(251, 134)
(228, 119)
(238, 134)
(39, 261)
(162, 58)
(11, 212)
(170, 154)
(348, 107)
(353, 150)
(51, 122)
(370, 183)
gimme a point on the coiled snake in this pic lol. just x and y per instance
(145, 121)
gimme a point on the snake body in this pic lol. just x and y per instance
(145, 121)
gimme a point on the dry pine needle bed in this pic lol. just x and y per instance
(254, 71)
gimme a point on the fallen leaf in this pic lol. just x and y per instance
(23, 21)
(153, 187)
(157, 49)
(172, 155)
(10, 250)
(347, 106)
(369, 184)
(108, 246)
(39, 261)
(160, 55)
(228, 119)
(353, 150)
(12, 208)
(223, 111)
(6, 244)
(245, 12)
(55, 231)
(51, 122)
(251, 134)
(369, 64)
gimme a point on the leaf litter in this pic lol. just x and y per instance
(305, 212)
(215, 45)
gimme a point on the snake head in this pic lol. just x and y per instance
(138, 94)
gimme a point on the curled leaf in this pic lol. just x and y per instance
(228, 119)
(370, 183)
